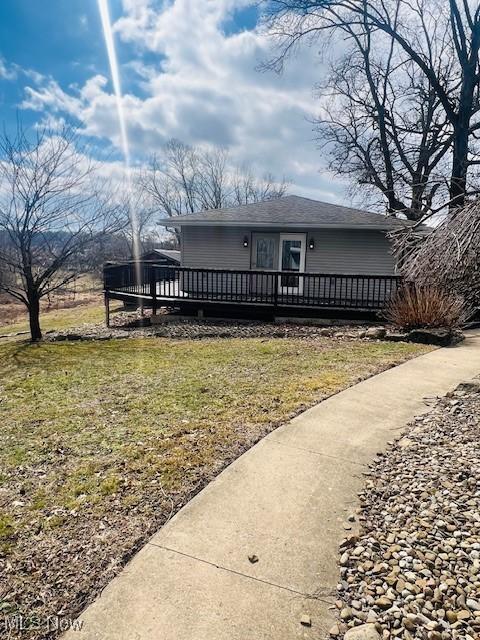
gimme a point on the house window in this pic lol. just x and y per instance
(265, 253)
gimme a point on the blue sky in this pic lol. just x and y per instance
(57, 37)
(188, 70)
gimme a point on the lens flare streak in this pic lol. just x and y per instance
(117, 89)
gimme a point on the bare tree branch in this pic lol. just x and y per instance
(434, 45)
(185, 179)
(52, 207)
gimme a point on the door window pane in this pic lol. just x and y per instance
(265, 253)
(291, 260)
(291, 255)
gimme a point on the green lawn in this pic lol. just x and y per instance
(101, 440)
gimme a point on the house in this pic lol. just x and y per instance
(288, 233)
(282, 255)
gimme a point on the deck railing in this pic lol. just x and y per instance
(164, 284)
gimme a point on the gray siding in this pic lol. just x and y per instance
(336, 250)
(350, 251)
(215, 247)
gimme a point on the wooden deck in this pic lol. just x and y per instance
(275, 292)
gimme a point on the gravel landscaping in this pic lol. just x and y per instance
(413, 571)
(165, 325)
(131, 325)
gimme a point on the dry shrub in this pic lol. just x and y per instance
(419, 307)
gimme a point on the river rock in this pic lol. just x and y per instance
(413, 571)
(363, 632)
(376, 333)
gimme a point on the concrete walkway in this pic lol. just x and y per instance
(285, 501)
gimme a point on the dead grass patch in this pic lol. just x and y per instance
(82, 302)
(100, 441)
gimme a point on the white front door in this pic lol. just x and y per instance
(292, 260)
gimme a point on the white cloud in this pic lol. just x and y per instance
(7, 72)
(203, 88)
(50, 97)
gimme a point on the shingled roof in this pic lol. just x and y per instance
(288, 212)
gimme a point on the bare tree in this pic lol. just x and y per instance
(51, 209)
(212, 183)
(247, 188)
(184, 179)
(398, 49)
(388, 134)
(169, 181)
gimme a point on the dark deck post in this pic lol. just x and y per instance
(153, 290)
(276, 285)
(107, 309)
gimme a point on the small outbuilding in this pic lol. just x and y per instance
(166, 257)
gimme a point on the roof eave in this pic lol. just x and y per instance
(275, 225)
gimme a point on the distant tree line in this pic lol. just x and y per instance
(184, 179)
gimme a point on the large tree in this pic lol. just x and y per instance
(52, 208)
(184, 179)
(404, 87)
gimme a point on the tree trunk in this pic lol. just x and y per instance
(34, 318)
(458, 182)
